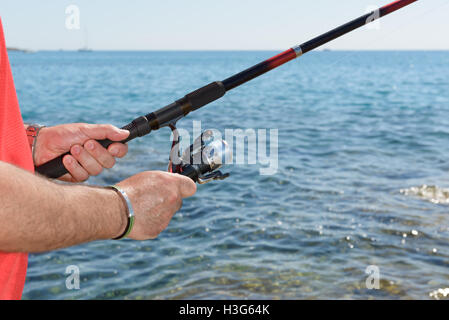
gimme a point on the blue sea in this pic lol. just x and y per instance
(362, 178)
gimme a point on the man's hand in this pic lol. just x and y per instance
(88, 157)
(155, 197)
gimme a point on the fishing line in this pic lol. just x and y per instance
(390, 34)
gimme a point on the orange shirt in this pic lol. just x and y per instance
(14, 149)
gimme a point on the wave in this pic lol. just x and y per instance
(432, 194)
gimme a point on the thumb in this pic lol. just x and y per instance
(104, 131)
(187, 187)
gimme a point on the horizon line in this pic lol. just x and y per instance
(217, 50)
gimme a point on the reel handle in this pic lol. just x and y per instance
(190, 172)
(201, 173)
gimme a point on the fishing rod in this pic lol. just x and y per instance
(210, 153)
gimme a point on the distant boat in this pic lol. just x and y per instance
(85, 48)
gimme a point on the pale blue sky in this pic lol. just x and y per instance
(219, 25)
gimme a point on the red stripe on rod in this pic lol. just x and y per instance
(396, 5)
(259, 69)
(281, 58)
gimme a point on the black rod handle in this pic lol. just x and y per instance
(55, 168)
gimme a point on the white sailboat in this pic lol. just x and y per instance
(85, 48)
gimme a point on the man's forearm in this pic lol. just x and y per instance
(39, 215)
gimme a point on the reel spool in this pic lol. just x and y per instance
(202, 159)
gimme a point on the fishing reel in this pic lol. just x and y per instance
(202, 159)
